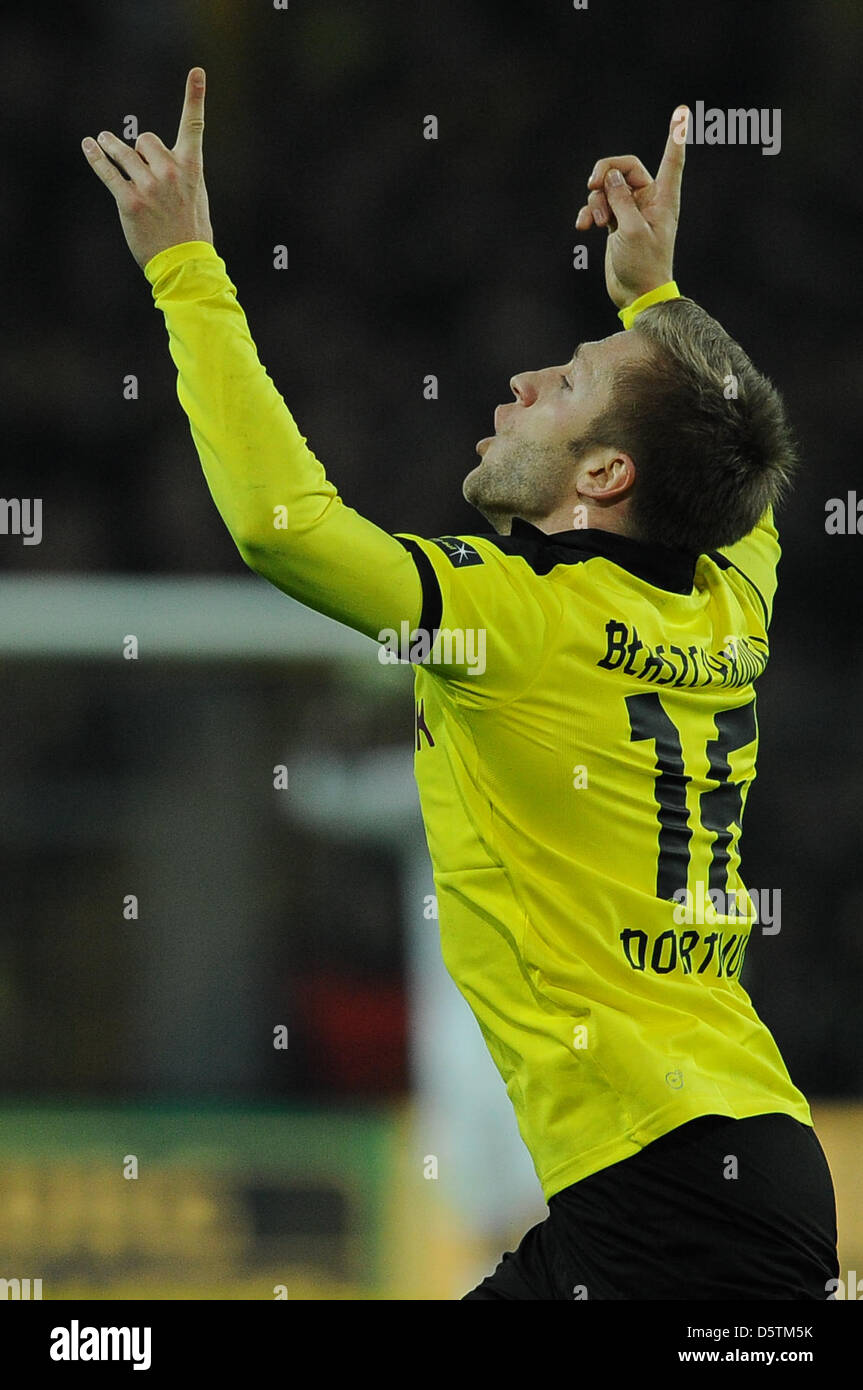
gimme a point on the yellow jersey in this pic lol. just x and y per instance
(585, 734)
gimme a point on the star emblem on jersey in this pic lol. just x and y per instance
(458, 552)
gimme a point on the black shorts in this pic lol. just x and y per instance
(667, 1223)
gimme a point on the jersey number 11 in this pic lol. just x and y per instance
(721, 806)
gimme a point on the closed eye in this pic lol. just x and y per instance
(566, 383)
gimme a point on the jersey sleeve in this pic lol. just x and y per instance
(485, 621)
(285, 516)
(756, 557)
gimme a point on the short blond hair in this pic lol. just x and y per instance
(709, 434)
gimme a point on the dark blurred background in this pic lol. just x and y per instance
(406, 257)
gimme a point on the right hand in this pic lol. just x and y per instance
(160, 193)
(641, 215)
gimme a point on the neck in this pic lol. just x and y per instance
(583, 515)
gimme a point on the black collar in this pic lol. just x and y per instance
(655, 564)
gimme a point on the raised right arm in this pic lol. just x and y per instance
(285, 516)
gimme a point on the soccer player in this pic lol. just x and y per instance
(583, 783)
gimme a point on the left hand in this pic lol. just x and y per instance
(640, 213)
(160, 193)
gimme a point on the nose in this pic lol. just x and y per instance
(523, 388)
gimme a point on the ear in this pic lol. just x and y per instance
(607, 477)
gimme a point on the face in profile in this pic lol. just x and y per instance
(528, 467)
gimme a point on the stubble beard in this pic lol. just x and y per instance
(523, 479)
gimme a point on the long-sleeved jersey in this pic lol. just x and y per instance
(585, 737)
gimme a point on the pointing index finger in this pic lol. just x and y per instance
(190, 132)
(670, 174)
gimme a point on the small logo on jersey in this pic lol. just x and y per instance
(674, 1079)
(458, 552)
